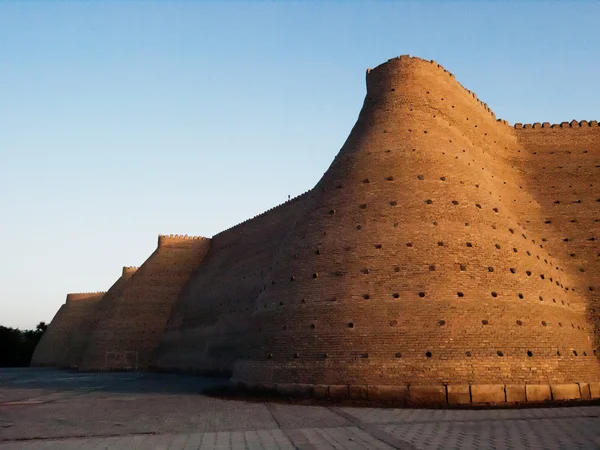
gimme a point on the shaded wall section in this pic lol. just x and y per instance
(81, 337)
(132, 324)
(61, 342)
(207, 331)
(561, 168)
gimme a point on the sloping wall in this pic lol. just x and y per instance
(66, 330)
(413, 265)
(81, 335)
(207, 331)
(132, 324)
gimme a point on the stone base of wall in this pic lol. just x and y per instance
(443, 395)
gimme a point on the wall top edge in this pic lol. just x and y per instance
(571, 124)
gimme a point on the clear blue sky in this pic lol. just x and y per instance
(123, 120)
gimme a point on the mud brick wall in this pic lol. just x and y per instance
(63, 339)
(133, 325)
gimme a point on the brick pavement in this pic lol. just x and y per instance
(43, 409)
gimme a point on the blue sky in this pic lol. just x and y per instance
(120, 121)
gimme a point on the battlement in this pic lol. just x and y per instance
(432, 63)
(571, 124)
(129, 269)
(85, 296)
(164, 239)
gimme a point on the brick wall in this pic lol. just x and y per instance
(62, 342)
(134, 323)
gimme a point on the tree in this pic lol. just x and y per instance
(16, 346)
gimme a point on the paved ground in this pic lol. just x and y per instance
(51, 409)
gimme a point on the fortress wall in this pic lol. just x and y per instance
(213, 310)
(442, 246)
(67, 328)
(131, 326)
(80, 340)
(411, 264)
(561, 168)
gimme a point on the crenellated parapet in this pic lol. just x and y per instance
(164, 239)
(270, 210)
(85, 296)
(129, 269)
(571, 124)
(181, 236)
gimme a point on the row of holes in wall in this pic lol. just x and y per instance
(441, 323)
(429, 201)
(432, 268)
(422, 294)
(573, 202)
(561, 167)
(429, 354)
(422, 177)
(470, 244)
(455, 202)
(573, 220)
(569, 152)
(557, 202)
